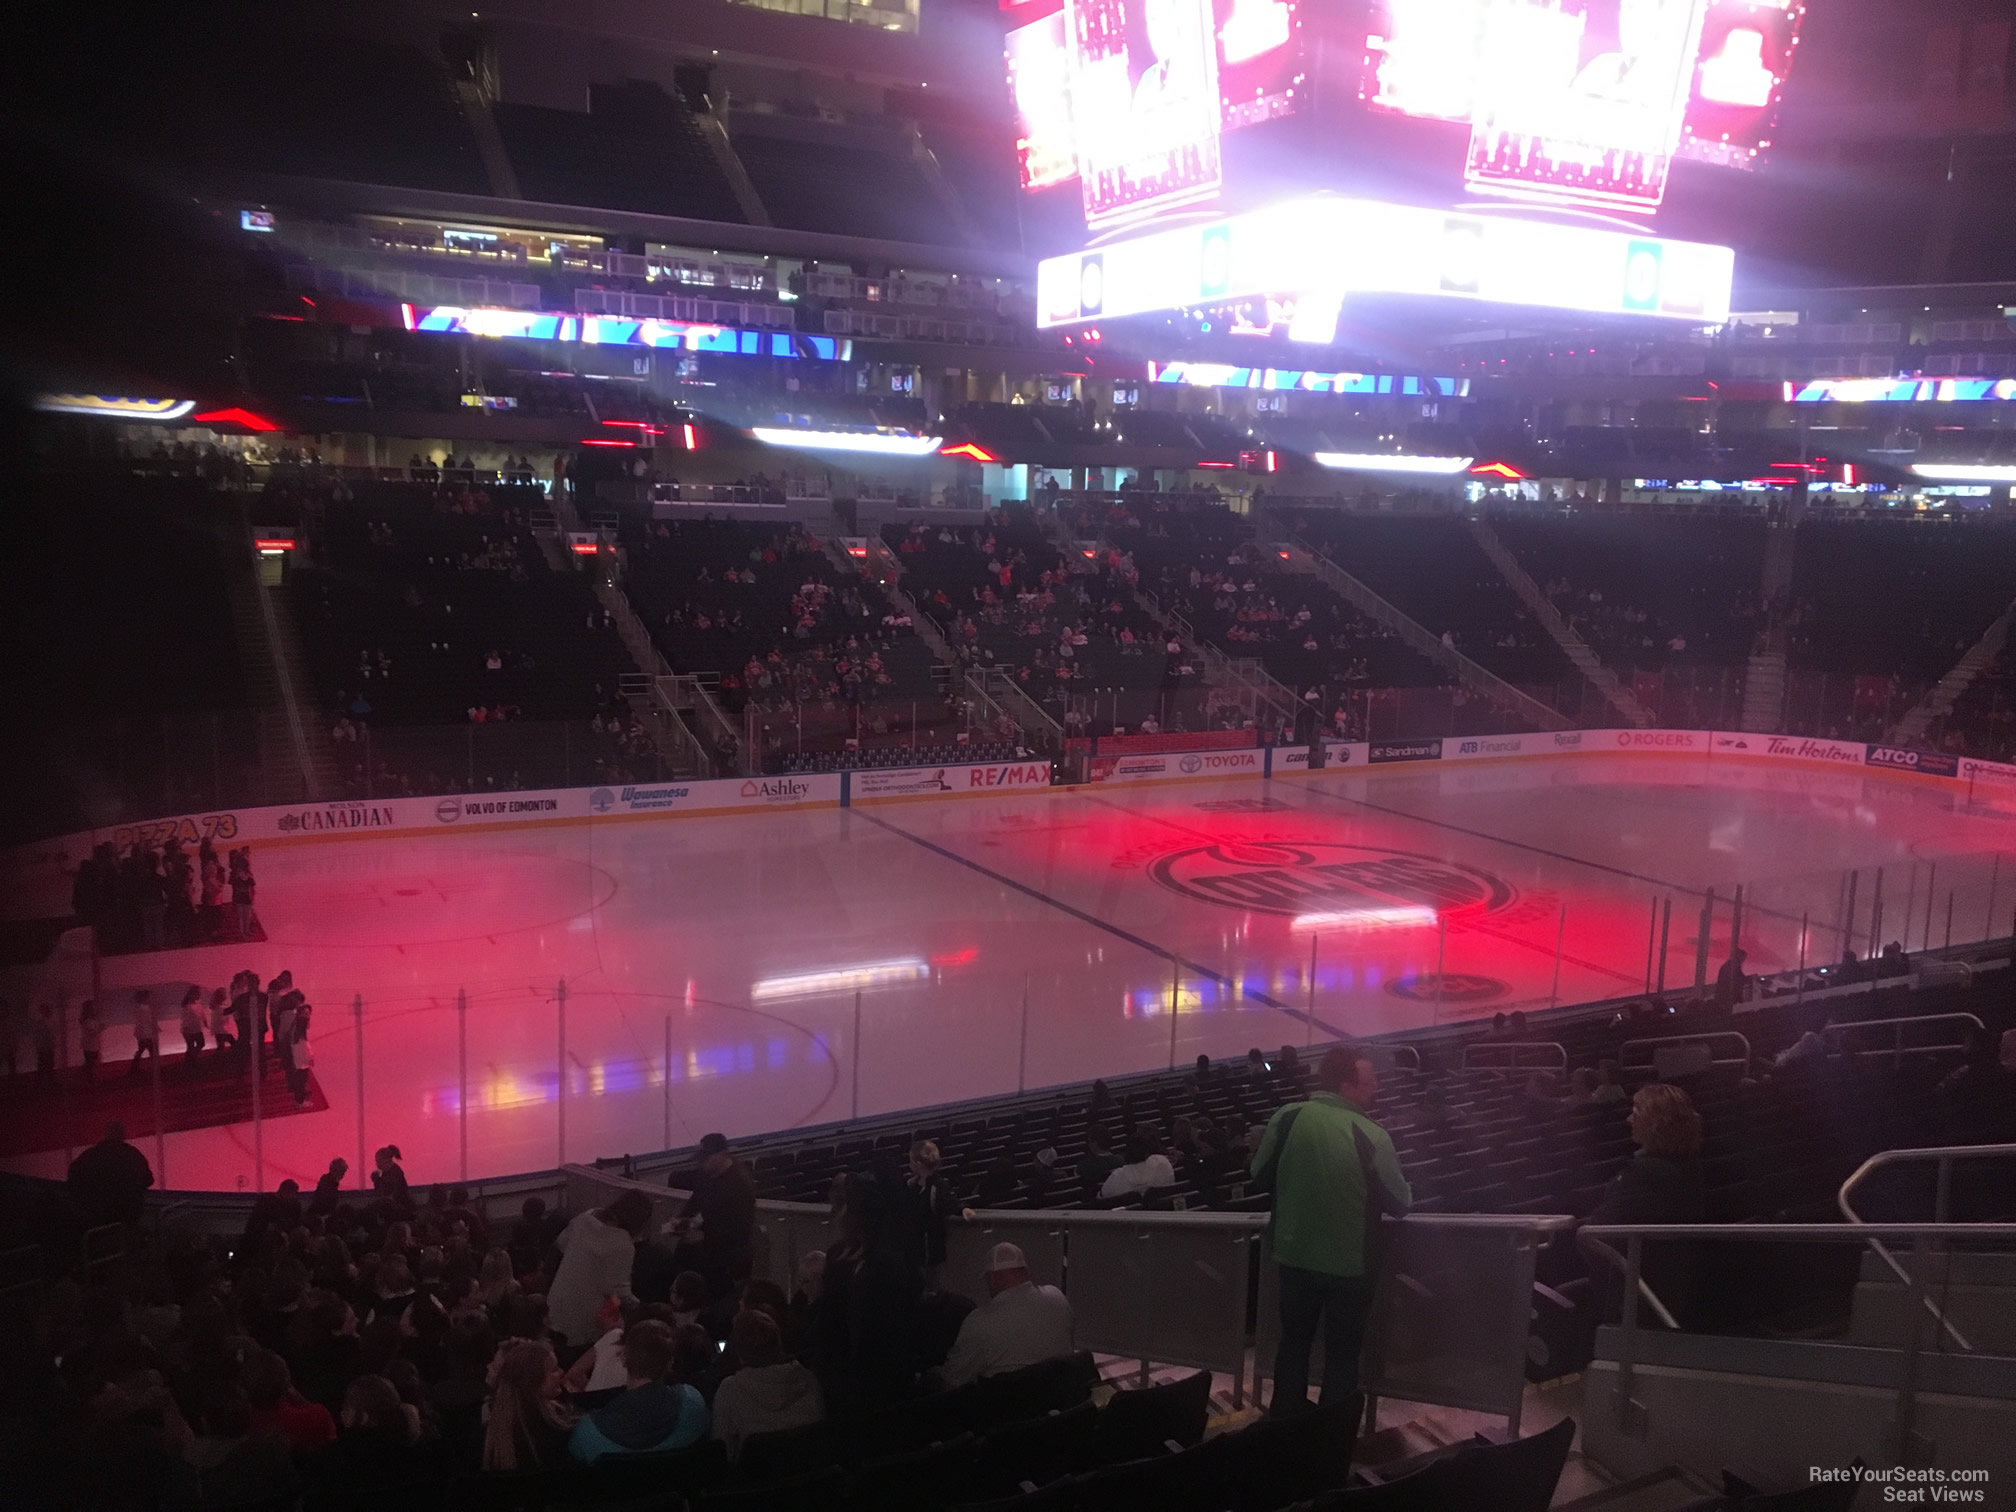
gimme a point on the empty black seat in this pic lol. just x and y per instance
(1136, 1424)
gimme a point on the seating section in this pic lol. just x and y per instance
(306, 103)
(126, 683)
(415, 591)
(838, 185)
(1899, 599)
(762, 615)
(637, 148)
(1648, 592)
(1479, 1140)
(1432, 568)
(1070, 632)
(1199, 560)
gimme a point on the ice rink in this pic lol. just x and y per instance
(711, 965)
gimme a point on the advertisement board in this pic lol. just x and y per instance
(1583, 99)
(1486, 747)
(1144, 104)
(911, 782)
(1586, 100)
(1383, 751)
(1249, 763)
(1364, 246)
(1039, 82)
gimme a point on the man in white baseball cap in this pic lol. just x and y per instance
(1019, 1324)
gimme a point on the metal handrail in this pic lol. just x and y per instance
(1558, 1060)
(1945, 1155)
(1704, 1037)
(1898, 1049)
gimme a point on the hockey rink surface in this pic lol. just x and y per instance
(712, 964)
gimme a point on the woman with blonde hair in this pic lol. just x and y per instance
(927, 1205)
(529, 1418)
(1661, 1184)
(495, 1283)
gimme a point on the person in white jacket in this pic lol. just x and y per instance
(597, 1251)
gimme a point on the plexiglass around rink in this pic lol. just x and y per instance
(504, 1001)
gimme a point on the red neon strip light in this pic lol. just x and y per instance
(1217, 464)
(643, 425)
(598, 441)
(691, 444)
(1848, 472)
(273, 543)
(1497, 470)
(235, 416)
(971, 449)
(585, 548)
(406, 315)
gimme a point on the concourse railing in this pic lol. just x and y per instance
(1942, 1157)
(1623, 1246)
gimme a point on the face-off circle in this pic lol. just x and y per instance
(1299, 878)
(1455, 987)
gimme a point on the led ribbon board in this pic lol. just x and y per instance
(1901, 391)
(615, 330)
(1332, 246)
(1299, 380)
(112, 407)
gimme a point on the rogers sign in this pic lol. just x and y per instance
(1664, 740)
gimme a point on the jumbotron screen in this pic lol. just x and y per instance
(1578, 102)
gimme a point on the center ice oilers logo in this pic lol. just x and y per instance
(1318, 876)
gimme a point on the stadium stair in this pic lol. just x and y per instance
(1938, 703)
(1572, 645)
(1764, 693)
(294, 747)
(1478, 679)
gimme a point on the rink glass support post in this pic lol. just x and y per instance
(1702, 941)
(357, 1034)
(1022, 1049)
(1311, 1039)
(1848, 914)
(1949, 918)
(1651, 942)
(462, 1077)
(1987, 924)
(560, 1021)
(1799, 982)
(161, 1123)
(1931, 879)
(1441, 954)
(1876, 917)
(668, 1080)
(1736, 920)
(1560, 938)
(1910, 900)
(1175, 1006)
(1665, 932)
(854, 1056)
(258, 1059)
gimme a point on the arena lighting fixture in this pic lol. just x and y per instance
(1397, 916)
(272, 545)
(105, 407)
(235, 416)
(971, 449)
(605, 441)
(691, 443)
(1955, 472)
(1496, 470)
(1334, 247)
(1901, 391)
(884, 443)
(842, 979)
(1388, 462)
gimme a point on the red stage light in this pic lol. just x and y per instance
(1497, 470)
(972, 449)
(234, 416)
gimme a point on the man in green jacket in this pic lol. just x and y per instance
(1334, 1173)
